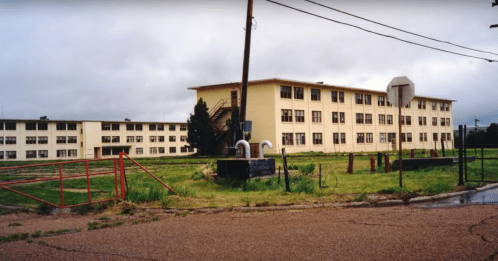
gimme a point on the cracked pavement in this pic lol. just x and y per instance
(467, 232)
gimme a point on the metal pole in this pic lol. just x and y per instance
(245, 70)
(400, 164)
(460, 156)
(465, 149)
(482, 162)
(320, 176)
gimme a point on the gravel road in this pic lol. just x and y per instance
(389, 233)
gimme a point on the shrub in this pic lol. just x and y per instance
(305, 185)
(307, 169)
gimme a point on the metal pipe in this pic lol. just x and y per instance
(247, 149)
(261, 145)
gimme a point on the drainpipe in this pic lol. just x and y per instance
(261, 145)
(247, 149)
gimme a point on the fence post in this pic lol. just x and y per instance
(412, 153)
(88, 183)
(320, 176)
(379, 159)
(121, 176)
(460, 156)
(62, 187)
(286, 172)
(350, 164)
(482, 162)
(372, 164)
(278, 181)
(387, 167)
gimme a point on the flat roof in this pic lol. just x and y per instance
(310, 84)
(103, 121)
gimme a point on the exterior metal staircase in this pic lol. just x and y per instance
(221, 108)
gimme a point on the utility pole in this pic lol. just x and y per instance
(245, 70)
(476, 120)
(495, 3)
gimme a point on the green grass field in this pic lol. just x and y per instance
(196, 189)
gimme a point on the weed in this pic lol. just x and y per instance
(155, 218)
(29, 240)
(14, 237)
(307, 169)
(141, 194)
(360, 197)
(304, 185)
(105, 218)
(186, 191)
(38, 233)
(14, 225)
(57, 232)
(93, 225)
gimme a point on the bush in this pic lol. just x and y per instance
(304, 185)
(307, 169)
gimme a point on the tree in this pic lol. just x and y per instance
(233, 126)
(200, 133)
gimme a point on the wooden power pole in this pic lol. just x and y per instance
(245, 70)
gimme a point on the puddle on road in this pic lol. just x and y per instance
(489, 196)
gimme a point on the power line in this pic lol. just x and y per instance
(401, 30)
(388, 36)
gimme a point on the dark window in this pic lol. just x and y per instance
(287, 139)
(434, 136)
(433, 105)
(1, 128)
(172, 127)
(408, 105)
(335, 117)
(317, 138)
(368, 100)
(106, 139)
(402, 120)
(391, 138)
(72, 139)
(300, 139)
(160, 127)
(382, 119)
(71, 126)
(152, 127)
(11, 155)
(285, 92)
(130, 127)
(342, 117)
(381, 100)
(42, 140)
(115, 139)
(1, 140)
(448, 136)
(360, 137)
(183, 127)
(161, 138)
(316, 116)
(447, 106)
(115, 126)
(10, 125)
(72, 153)
(389, 119)
(286, 115)
(298, 93)
(138, 127)
(31, 126)
(183, 149)
(420, 122)
(403, 137)
(10, 140)
(441, 106)
(434, 121)
(421, 136)
(42, 126)
(183, 138)
(153, 138)
(442, 121)
(409, 137)
(368, 118)
(61, 139)
(106, 126)
(61, 153)
(172, 149)
(30, 140)
(334, 97)
(358, 98)
(335, 138)
(343, 138)
(140, 138)
(43, 154)
(172, 138)
(161, 150)
(299, 115)
(341, 97)
(369, 137)
(315, 94)
(408, 120)
(359, 118)
(130, 139)
(139, 151)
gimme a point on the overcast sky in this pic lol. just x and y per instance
(107, 60)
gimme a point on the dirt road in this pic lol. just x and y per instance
(389, 233)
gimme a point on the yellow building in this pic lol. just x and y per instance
(304, 116)
(70, 140)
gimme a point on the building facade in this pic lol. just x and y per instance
(303, 116)
(70, 140)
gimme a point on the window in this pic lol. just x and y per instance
(105, 126)
(152, 138)
(31, 126)
(72, 153)
(139, 151)
(11, 140)
(315, 94)
(183, 138)
(425, 136)
(402, 120)
(10, 126)
(190, 149)
(388, 104)
(30, 140)
(334, 96)
(115, 139)
(317, 138)
(409, 137)
(1, 154)
(381, 100)
(300, 139)
(335, 117)
(161, 150)
(343, 138)
(434, 136)
(382, 138)
(369, 137)
(172, 149)
(153, 150)
(1, 140)
(72, 139)
(368, 99)
(286, 115)
(420, 122)
(72, 126)
(183, 149)
(10, 154)
(443, 136)
(421, 104)
(335, 138)
(287, 139)
(138, 127)
(161, 138)
(172, 127)
(360, 137)
(130, 139)
(442, 121)
(140, 138)
(421, 136)
(42, 126)
(31, 154)
(342, 118)
(1, 127)
(298, 93)
(61, 153)
(368, 118)
(382, 119)
(105, 139)
(130, 127)
(433, 104)
(389, 119)
(408, 120)
(172, 138)
(106, 151)
(160, 127)
(341, 97)
(425, 121)
(42, 140)
(316, 116)
(391, 137)
(448, 122)
(358, 98)
(115, 126)
(448, 136)
(441, 106)
(285, 92)
(434, 121)
(359, 118)
(299, 115)
(183, 127)
(403, 137)
(152, 127)
(447, 107)
(43, 154)
(408, 105)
